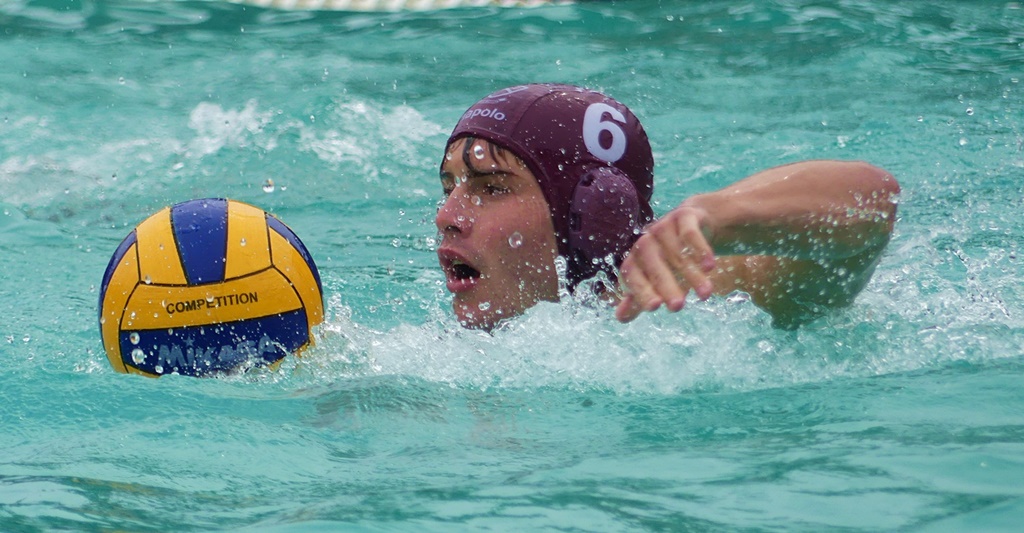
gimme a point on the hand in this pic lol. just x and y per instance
(673, 256)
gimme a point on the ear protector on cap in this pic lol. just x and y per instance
(604, 219)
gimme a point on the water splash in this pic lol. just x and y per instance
(217, 127)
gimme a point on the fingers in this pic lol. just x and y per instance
(672, 258)
(627, 310)
(693, 259)
(662, 273)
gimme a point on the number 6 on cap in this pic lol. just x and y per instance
(593, 125)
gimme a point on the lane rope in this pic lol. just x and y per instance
(389, 5)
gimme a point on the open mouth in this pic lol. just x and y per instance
(459, 273)
(462, 271)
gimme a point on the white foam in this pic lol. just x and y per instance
(217, 127)
(358, 135)
(711, 345)
(906, 320)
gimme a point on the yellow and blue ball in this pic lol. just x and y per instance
(208, 286)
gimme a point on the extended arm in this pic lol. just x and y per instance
(798, 238)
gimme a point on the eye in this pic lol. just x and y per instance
(447, 186)
(494, 190)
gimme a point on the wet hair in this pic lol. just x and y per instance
(497, 152)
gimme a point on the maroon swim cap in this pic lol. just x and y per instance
(590, 156)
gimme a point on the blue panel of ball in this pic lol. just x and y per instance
(201, 350)
(201, 231)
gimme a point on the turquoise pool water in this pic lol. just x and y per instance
(901, 413)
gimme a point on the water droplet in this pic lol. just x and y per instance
(963, 141)
(26, 338)
(147, 280)
(478, 152)
(159, 369)
(209, 298)
(515, 240)
(484, 306)
(476, 200)
(268, 186)
(134, 338)
(970, 110)
(120, 80)
(138, 356)
(242, 242)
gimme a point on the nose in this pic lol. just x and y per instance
(453, 215)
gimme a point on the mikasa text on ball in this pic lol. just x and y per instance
(208, 286)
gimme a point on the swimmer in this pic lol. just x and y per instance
(539, 174)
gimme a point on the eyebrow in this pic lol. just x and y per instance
(474, 173)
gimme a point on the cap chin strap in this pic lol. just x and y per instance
(604, 221)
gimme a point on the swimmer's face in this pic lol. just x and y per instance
(498, 242)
